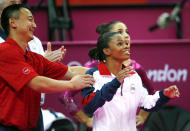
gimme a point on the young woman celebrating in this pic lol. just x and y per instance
(118, 91)
(118, 26)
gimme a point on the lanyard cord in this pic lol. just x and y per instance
(122, 89)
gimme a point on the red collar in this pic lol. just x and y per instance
(104, 70)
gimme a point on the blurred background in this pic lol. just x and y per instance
(139, 15)
(159, 29)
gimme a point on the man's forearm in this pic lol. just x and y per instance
(78, 69)
(48, 85)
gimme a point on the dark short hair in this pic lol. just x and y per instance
(12, 11)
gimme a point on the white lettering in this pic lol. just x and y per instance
(161, 75)
(182, 73)
(172, 75)
(166, 74)
(152, 74)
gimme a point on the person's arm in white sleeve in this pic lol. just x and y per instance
(155, 102)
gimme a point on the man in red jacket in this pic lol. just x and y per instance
(24, 74)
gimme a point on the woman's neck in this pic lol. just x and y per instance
(113, 66)
(127, 62)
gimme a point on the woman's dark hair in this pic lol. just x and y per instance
(97, 53)
(12, 11)
(103, 28)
